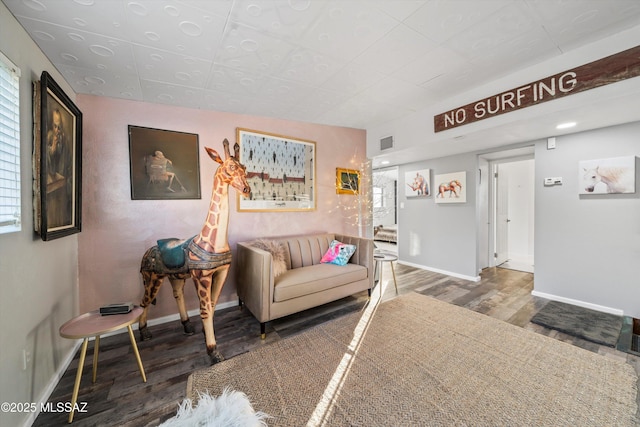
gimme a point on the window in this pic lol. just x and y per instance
(9, 146)
(378, 197)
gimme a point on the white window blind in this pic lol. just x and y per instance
(9, 146)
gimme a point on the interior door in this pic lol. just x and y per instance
(502, 216)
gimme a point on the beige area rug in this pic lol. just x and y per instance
(418, 361)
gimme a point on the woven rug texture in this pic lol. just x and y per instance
(420, 361)
(595, 326)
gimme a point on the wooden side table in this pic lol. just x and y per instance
(93, 324)
(380, 258)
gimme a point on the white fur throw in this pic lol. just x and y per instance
(230, 409)
(277, 251)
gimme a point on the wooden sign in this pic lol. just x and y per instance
(614, 68)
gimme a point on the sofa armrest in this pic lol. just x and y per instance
(255, 280)
(363, 255)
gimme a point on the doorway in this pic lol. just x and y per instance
(507, 238)
(385, 209)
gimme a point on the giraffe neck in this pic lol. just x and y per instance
(213, 236)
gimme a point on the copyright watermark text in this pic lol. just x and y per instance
(23, 407)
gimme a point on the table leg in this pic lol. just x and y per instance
(380, 281)
(96, 349)
(375, 272)
(135, 350)
(76, 386)
(394, 276)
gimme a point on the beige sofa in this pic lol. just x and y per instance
(306, 283)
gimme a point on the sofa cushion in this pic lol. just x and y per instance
(315, 278)
(277, 251)
(338, 253)
(307, 250)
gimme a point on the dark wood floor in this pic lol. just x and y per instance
(120, 398)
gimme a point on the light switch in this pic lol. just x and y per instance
(553, 181)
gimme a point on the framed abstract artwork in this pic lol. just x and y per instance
(57, 161)
(164, 164)
(451, 187)
(281, 171)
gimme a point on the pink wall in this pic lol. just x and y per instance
(116, 230)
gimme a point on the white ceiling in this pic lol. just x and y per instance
(345, 63)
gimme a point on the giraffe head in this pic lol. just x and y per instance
(231, 171)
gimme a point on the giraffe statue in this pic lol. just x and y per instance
(205, 258)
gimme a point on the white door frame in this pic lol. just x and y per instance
(488, 242)
(500, 214)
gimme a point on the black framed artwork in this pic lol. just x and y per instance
(57, 161)
(164, 164)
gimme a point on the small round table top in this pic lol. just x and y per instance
(93, 323)
(383, 256)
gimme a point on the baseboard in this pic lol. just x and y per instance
(170, 318)
(579, 303)
(437, 270)
(71, 354)
(44, 396)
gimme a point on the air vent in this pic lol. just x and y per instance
(386, 143)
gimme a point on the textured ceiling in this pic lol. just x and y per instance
(346, 63)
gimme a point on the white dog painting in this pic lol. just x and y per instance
(607, 176)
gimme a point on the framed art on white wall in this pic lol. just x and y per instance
(452, 187)
(607, 176)
(418, 183)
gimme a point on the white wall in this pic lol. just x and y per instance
(587, 247)
(440, 237)
(39, 280)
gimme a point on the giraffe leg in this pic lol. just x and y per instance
(177, 283)
(152, 283)
(209, 284)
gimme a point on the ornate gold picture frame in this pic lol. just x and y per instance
(347, 181)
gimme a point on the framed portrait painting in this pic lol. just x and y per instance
(347, 181)
(164, 164)
(281, 171)
(57, 161)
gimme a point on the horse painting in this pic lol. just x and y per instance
(609, 179)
